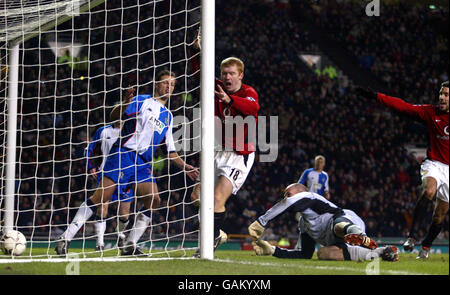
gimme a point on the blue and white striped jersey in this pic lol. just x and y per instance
(147, 122)
(100, 145)
(317, 182)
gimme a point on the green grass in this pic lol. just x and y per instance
(232, 263)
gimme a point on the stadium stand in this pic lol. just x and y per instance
(370, 170)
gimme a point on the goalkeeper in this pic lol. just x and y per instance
(340, 232)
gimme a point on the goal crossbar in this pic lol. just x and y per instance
(38, 19)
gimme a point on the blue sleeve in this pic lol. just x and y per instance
(135, 105)
(304, 177)
(327, 187)
(91, 149)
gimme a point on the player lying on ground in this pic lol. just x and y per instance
(129, 161)
(434, 168)
(321, 222)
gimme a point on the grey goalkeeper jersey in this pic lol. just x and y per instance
(316, 215)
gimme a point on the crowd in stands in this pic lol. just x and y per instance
(370, 169)
(407, 43)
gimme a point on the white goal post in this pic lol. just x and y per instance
(64, 65)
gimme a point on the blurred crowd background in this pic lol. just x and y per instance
(404, 51)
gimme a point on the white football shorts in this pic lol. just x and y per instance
(233, 166)
(438, 171)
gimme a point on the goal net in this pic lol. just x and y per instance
(77, 60)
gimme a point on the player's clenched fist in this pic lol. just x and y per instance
(256, 230)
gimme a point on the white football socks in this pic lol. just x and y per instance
(358, 253)
(100, 227)
(139, 228)
(83, 214)
(121, 227)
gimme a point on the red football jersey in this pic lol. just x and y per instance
(436, 120)
(244, 103)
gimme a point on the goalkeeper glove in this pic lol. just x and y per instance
(256, 230)
(367, 93)
(263, 248)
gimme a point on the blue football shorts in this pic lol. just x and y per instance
(126, 167)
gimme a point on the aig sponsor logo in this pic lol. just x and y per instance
(159, 125)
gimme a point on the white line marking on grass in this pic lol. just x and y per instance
(393, 272)
(92, 259)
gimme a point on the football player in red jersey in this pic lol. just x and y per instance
(236, 110)
(233, 100)
(434, 168)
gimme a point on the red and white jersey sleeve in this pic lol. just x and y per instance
(244, 104)
(436, 120)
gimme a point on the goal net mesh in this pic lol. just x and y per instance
(77, 59)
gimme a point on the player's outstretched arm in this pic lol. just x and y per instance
(394, 103)
(365, 92)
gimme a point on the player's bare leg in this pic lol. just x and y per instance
(330, 253)
(429, 185)
(101, 195)
(195, 198)
(222, 191)
(195, 195)
(151, 200)
(439, 213)
(123, 220)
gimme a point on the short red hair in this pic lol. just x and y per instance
(233, 61)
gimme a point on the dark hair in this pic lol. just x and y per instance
(445, 84)
(164, 73)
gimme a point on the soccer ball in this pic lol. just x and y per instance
(13, 243)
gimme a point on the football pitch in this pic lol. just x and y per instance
(228, 262)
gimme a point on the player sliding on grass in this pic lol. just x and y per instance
(147, 122)
(321, 222)
(434, 168)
